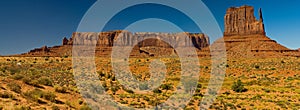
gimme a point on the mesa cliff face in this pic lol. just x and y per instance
(151, 43)
(107, 39)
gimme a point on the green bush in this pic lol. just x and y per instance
(31, 82)
(23, 108)
(6, 95)
(55, 107)
(45, 81)
(238, 86)
(166, 87)
(157, 91)
(18, 77)
(60, 89)
(36, 94)
(85, 107)
(144, 86)
(14, 87)
(49, 96)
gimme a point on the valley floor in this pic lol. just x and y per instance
(48, 83)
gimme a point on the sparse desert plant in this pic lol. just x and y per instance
(23, 108)
(60, 89)
(80, 101)
(238, 86)
(45, 81)
(6, 95)
(129, 91)
(55, 107)
(14, 87)
(85, 107)
(144, 86)
(18, 77)
(49, 96)
(33, 95)
(166, 86)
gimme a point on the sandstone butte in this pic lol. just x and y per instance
(244, 37)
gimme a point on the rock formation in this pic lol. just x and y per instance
(104, 41)
(241, 21)
(245, 37)
(43, 49)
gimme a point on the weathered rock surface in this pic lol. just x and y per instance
(241, 21)
(245, 37)
(144, 43)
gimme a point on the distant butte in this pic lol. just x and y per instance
(244, 37)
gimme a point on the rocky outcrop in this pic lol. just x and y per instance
(43, 49)
(240, 21)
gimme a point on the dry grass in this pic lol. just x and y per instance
(47, 82)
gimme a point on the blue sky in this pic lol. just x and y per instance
(28, 24)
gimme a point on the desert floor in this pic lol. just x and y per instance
(48, 83)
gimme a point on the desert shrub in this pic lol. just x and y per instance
(29, 81)
(144, 86)
(157, 91)
(266, 90)
(199, 85)
(60, 89)
(124, 102)
(80, 101)
(281, 104)
(46, 58)
(6, 95)
(49, 96)
(66, 56)
(85, 107)
(238, 86)
(18, 77)
(166, 86)
(45, 81)
(128, 91)
(14, 87)
(55, 107)
(26, 80)
(114, 89)
(34, 95)
(23, 108)
(146, 98)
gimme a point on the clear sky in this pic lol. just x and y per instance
(28, 24)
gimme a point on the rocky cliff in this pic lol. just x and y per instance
(245, 36)
(241, 21)
(107, 39)
(151, 43)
